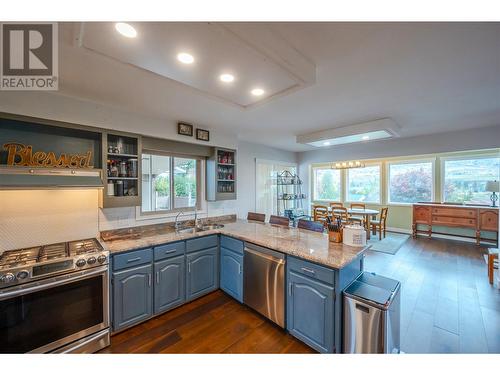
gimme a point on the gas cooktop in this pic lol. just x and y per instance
(27, 264)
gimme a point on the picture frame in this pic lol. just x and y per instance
(183, 128)
(203, 135)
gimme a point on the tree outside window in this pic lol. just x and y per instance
(363, 184)
(410, 182)
(327, 184)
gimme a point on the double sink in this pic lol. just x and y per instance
(200, 228)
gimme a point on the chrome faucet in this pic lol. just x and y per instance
(177, 224)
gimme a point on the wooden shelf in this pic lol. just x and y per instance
(122, 155)
(122, 178)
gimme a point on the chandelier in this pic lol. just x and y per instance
(348, 164)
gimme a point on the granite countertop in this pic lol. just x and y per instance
(301, 243)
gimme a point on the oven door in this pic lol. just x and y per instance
(41, 316)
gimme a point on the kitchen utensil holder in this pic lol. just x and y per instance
(335, 236)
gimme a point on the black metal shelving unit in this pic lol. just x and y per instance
(289, 195)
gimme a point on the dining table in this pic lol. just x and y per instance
(367, 213)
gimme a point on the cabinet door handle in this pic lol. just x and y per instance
(239, 268)
(289, 289)
(189, 267)
(170, 251)
(308, 270)
(158, 277)
(149, 279)
(133, 260)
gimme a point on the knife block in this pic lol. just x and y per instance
(335, 236)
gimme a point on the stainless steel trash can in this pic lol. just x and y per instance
(372, 306)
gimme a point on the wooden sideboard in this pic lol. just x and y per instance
(479, 218)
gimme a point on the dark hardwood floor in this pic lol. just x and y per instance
(447, 306)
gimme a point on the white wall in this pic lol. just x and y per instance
(63, 108)
(474, 139)
(112, 218)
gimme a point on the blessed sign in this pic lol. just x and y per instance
(21, 155)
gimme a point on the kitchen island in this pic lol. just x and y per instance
(160, 269)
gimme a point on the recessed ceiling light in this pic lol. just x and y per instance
(125, 29)
(185, 58)
(365, 137)
(226, 77)
(326, 143)
(257, 92)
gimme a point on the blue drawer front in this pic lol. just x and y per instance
(232, 244)
(311, 270)
(169, 250)
(132, 259)
(201, 243)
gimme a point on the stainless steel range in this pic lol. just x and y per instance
(54, 298)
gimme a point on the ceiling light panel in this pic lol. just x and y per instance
(363, 132)
(185, 58)
(214, 47)
(226, 77)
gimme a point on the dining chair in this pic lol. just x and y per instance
(255, 216)
(380, 224)
(279, 220)
(320, 213)
(356, 218)
(341, 212)
(315, 226)
(336, 204)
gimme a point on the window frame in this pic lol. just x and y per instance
(380, 195)
(456, 158)
(341, 187)
(174, 210)
(408, 161)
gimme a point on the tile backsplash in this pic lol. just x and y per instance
(37, 217)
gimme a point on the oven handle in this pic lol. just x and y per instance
(51, 284)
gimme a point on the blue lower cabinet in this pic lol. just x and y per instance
(132, 296)
(231, 273)
(169, 290)
(202, 274)
(310, 312)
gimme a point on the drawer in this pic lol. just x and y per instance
(202, 243)
(455, 212)
(132, 259)
(169, 250)
(311, 270)
(454, 221)
(232, 244)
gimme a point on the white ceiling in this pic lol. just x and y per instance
(428, 77)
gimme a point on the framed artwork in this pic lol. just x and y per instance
(185, 129)
(203, 135)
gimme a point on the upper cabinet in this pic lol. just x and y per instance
(121, 156)
(221, 175)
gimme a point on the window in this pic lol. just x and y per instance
(169, 182)
(465, 179)
(363, 184)
(410, 182)
(326, 184)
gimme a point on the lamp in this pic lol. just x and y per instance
(493, 187)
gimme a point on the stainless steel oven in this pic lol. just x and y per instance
(66, 313)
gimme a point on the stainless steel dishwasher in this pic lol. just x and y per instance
(264, 282)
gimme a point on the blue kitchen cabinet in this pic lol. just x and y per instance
(202, 274)
(231, 273)
(132, 296)
(169, 289)
(310, 311)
